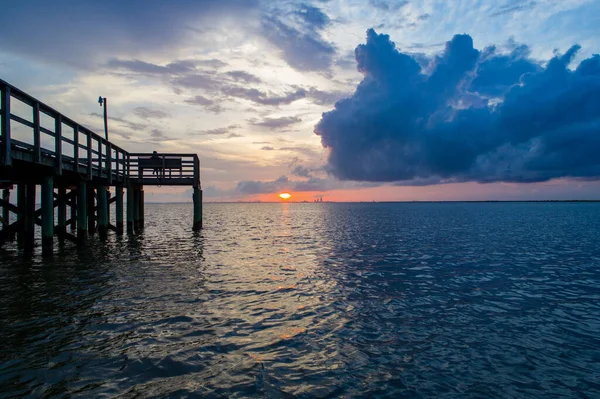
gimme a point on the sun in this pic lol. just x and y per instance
(285, 196)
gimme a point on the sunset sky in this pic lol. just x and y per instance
(424, 100)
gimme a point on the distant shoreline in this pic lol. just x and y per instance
(385, 202)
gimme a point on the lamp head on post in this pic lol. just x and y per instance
(102, 101)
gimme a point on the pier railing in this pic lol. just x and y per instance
(33, 132)
(158, 169)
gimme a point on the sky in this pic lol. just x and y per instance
(345, 100)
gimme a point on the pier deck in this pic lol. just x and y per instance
(74, 168)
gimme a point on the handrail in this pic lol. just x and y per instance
(92, 156)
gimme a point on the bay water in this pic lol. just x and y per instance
(425, 300)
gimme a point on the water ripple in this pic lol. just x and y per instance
(314, 300)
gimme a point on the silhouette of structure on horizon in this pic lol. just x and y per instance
(75, 173)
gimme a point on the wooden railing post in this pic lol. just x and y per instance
(37, 141)
(89, 155)
(100, 158)
(109, 162)
(58, 142)
(76, 153)
(117, 164)
(5, 156)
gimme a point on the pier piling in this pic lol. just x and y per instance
(61, 227)
(47, 192)
(78, 171)
(82, 222)
(130, 209)
(119, 209)
(197, 209)
(102, 212)
(136, 209)
(29, 220)
(21, 190)
(141, 209)
(74, 199)
(91, 210)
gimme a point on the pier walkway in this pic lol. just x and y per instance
(75, 169)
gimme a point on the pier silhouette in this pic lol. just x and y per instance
(75, 168)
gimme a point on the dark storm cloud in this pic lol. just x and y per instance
(80, 33)
(472, 116)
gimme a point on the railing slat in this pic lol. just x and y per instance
(58, 142)
(76, 147)
(89, 154)
(37, 141)
(5, 156)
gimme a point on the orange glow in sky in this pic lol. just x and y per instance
(285, 196)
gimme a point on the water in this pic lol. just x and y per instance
(314, 300)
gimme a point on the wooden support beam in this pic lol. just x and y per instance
(119, 209)
(62, 214)
(5, 133)
(102, 212)
(141, 206)
(130, 209)
(37, 141)
(58, 143)
(5, 207)
(21, 191)
(197, 209)
(47, 216)
(11, 207)
(136, 209)
(72, 238)
(29, 227)
(91, 215)
(82, 214)
(72, 222)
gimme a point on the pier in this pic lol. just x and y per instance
(72, 169)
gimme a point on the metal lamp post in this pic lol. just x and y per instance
(102, 101)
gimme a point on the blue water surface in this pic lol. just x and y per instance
(448, 300)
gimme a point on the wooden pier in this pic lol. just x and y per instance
(74, 169)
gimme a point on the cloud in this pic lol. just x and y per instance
(121, 122)
(283, 183)
(313, 16)
(302, 171)
(264, 98)
(303, 51)
(206, 103)
(82, 33)
(150, 113)
(157, 136)
(513, 7)
(219, 131)
(276, 123)
(267, 148)
(244, 77)
(388, 5)
(468, 116)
